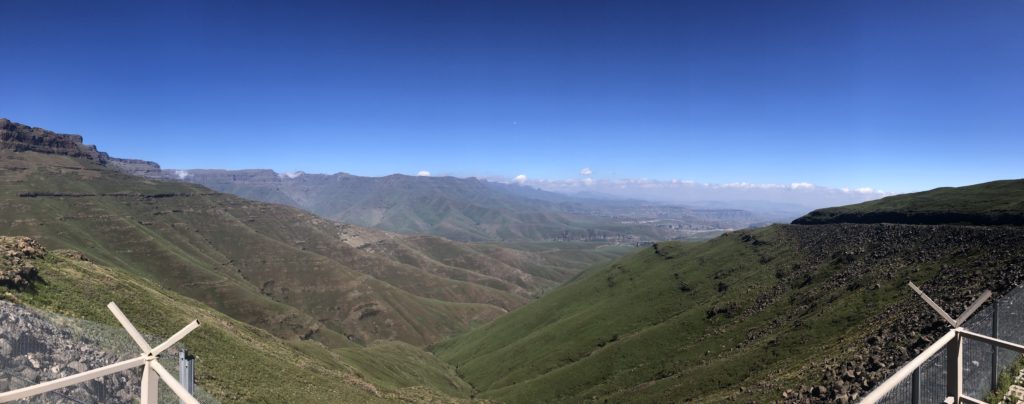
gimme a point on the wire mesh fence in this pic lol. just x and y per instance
(37, 346)
(983, 363)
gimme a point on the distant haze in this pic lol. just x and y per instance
(789, 198)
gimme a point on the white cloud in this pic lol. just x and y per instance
(801, 185)
(182, 174)
(586, 171)
(423, 173)
(520, 179)
(862, 190)
(588, 181)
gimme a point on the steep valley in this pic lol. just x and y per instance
(276, 267)
(815, 311)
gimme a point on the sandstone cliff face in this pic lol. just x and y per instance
(17, 137)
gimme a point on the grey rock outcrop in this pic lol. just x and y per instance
(16, 255)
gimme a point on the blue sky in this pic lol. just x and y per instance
(892, 95)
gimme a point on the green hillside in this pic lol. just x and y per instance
(746, 316)
(990, 203)
(276, 267)
(236, 362)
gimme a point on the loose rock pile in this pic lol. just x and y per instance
(16, 255)
(970, 258)
(34, 350)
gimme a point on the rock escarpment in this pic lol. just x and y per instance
(136, 167)
(17, 137)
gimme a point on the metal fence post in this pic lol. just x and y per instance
(995, 349)
(954, 368)
(915, 387)
(187, 371)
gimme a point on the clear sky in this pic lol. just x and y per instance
(892, 95)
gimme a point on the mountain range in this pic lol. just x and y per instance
(464, 209)
(273, 266)
(814, 311)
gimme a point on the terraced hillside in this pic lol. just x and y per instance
(273, 266)
(236, 362)
(787, 312)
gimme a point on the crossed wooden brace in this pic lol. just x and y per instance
(148, 359)
(945, 316)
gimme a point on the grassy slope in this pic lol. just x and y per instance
(752, 309)
(996, 202)
(238, 362)
(272, 266)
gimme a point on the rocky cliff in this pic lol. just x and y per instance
(136, 167)
(17, 137)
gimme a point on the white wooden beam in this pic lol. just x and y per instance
(994, 341)
(141, 342)
(176, 387)
(973, 307)
(955, 367)
(882, 389)
(935, 306)
(175, 338)
(150, 384)
(70, 380)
